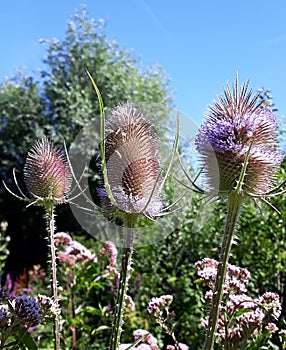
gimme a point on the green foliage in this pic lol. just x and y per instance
(167, 267)
(261, 245)
(21, 121)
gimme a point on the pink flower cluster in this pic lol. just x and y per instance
(158, 308)
(72, 251)
(241, 317)
(236, 279)
(149, 339)
(270, 302)
(148, 343)
(157, 305)
(112, 251)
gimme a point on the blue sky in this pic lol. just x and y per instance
(201, 44)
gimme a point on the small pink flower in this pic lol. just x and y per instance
(143, 346)
(112, 272)
(103, 251)
(124, 346)
(149, 339)
(156, 305)
(111, 248)
(247, 315)
(236, 277)
(271, 304)
(271, 327)
(73, 252)
(62, 237)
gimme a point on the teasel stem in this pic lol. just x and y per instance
(234, 205)
(126, 260)
(50, 219)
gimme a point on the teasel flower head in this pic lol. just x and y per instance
(132, 162)
(239, 131)
(46, 172)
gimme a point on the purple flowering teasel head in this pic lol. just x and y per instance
(46, 172)
(132, 158)
(238, 127)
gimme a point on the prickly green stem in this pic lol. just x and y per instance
(50, 219)
(127, 250)
(234, 204)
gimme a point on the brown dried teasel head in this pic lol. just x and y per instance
(132, 162)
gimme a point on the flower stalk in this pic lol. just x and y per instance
(50, 220)
(234, 205)
(126, 260)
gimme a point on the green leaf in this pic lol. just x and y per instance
(100, 328)
(241, 312)
(92, 310)
(29, 342)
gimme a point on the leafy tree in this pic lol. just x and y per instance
(58, 104)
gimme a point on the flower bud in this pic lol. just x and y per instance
(46, 171)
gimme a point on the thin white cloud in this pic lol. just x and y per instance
(275, 40)
(281, 37)
(155, 19)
